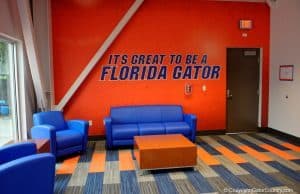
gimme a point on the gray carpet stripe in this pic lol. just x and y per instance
(184, 187)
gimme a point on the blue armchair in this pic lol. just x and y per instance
(24, 171)
(66, 137)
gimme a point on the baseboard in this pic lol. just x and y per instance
(280, 133)
(96, 138)
(211, 132)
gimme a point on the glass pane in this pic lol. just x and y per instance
(7, 93)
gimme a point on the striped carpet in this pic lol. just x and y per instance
(245, 163)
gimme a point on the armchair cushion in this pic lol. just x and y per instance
(54, 118)
(67, 138)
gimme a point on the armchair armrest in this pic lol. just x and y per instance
(82, 126)
(45, 132)
(191, 120)
(108, 131)
(15, 151)
(33, 174)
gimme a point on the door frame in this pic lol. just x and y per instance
(259, 114)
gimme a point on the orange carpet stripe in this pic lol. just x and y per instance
(291, 146)
(278, 152)
(257, 155)
(230, 155)
(98, 162)
(68, 166)
(125, 161)
(206, 157)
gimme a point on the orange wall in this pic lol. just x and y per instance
(159, 26)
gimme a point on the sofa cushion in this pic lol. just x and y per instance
(146, 114)
(123, 115)
(125, 131)
(177, 127)
(68, 138)
(171, 113)
(151, 128)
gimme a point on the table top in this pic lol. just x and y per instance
(162, 141)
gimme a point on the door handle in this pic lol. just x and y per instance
(228, 94)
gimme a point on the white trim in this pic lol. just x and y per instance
(33, 59)
(100, 52)
(51, 74)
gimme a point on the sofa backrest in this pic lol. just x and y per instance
(54, 118)
(146, 114)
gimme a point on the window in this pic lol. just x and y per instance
(8, 91)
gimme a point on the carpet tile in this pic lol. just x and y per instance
(249, 143)
(230, 178)
(231, 147)
(263, 177)
(184, 187)
(208, 148)
(111, 189)
(129, 182)
(225, 163)
(61, 182)
(164, 183)
(288, 163)
(289, 182)
(148, 187)
(94, 183)
(112, 155)
(287, 171)
(269, 142)
(199, 182)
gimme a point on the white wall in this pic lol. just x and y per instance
(284, 104)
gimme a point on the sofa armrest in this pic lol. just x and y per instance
(45, 132)
(83, 127)
(15, 151)
(31, 174)
(107, 121)
(191, 120)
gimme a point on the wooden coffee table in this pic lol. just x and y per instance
(164, 151)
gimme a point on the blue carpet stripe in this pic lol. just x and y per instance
(94, 183)
(208, 148)
(61, 182)
(199, 182)
(164, 183)
(287, 171)
(295, 141)
(87, 156)
(129, 182)
(297, 161)
(267, 141)
(231, 147)
(248, 143)
(230, 178)
(263, 177)
(112, 155)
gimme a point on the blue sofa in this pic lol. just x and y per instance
(24, 171)
(66, 136)
(126, 122)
